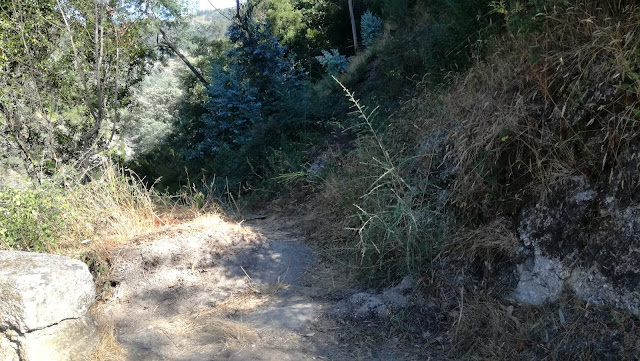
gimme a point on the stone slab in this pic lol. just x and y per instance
(40, 290)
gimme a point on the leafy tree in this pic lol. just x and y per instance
(233, 108)
(155, 106)
(306, 26)
(254, 85)
(65, 71)
(286, 20)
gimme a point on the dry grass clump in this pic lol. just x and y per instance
(485, 328)
(114, 207)
(73, 213)
(488, 242)
(562, 100)
(209, 328)
(108, 348)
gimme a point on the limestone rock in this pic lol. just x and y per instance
(584, 236)
(8, 349)
(382, 305)
(39, 290)
(69, 340)
(44, 303)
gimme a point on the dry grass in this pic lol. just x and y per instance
(106, 211)
(546, 104)
(487, 242)
(208, 325)
(116, 207)
(108, 347)
(484, 328)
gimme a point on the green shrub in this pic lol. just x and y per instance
(333, 62)
(31, 219)
(370, 28)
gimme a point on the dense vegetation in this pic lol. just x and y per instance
(246, 99)
(449, 119)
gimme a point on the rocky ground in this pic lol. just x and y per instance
(222, 290)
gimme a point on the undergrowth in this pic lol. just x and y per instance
(85, 214)
(545, 105)
(64, 213)
(435, 189)
(400, 227)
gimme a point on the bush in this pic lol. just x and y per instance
(234, 109)
(31, 220)
(332, 62)
(251, 90)
(370, 28)
(53, 216)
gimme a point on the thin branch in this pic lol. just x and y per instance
(76, 61)
(166, 41)
(218, 10)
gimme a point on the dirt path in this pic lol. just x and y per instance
(215, 290)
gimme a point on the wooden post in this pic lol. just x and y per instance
(353, 27)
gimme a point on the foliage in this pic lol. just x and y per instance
(59, 214)
(249, 92)
(333, 62)
(286, 20)
(66, 72)
(31, 219)
(306, 26)
(371, 28)
(234, 109)
(395, 10)
(155, 106)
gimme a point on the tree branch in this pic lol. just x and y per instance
(166, 41)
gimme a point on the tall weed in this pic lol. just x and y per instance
(400, 226)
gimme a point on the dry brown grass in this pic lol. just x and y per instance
(106, 211)
(210, 326)
(546, 104)
(485, 328)
(108, 347)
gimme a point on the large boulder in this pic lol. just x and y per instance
(44, 304)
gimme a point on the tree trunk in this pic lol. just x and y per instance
(91, 135)
(353, 27)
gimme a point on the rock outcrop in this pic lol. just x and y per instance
(44, 304)
(585, 236)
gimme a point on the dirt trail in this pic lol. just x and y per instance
(216, 290)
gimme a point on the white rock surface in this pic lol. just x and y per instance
(541, 280)
(69, 340)
(8, 349)
(44, 304)
(40, 290)
(364, 305)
